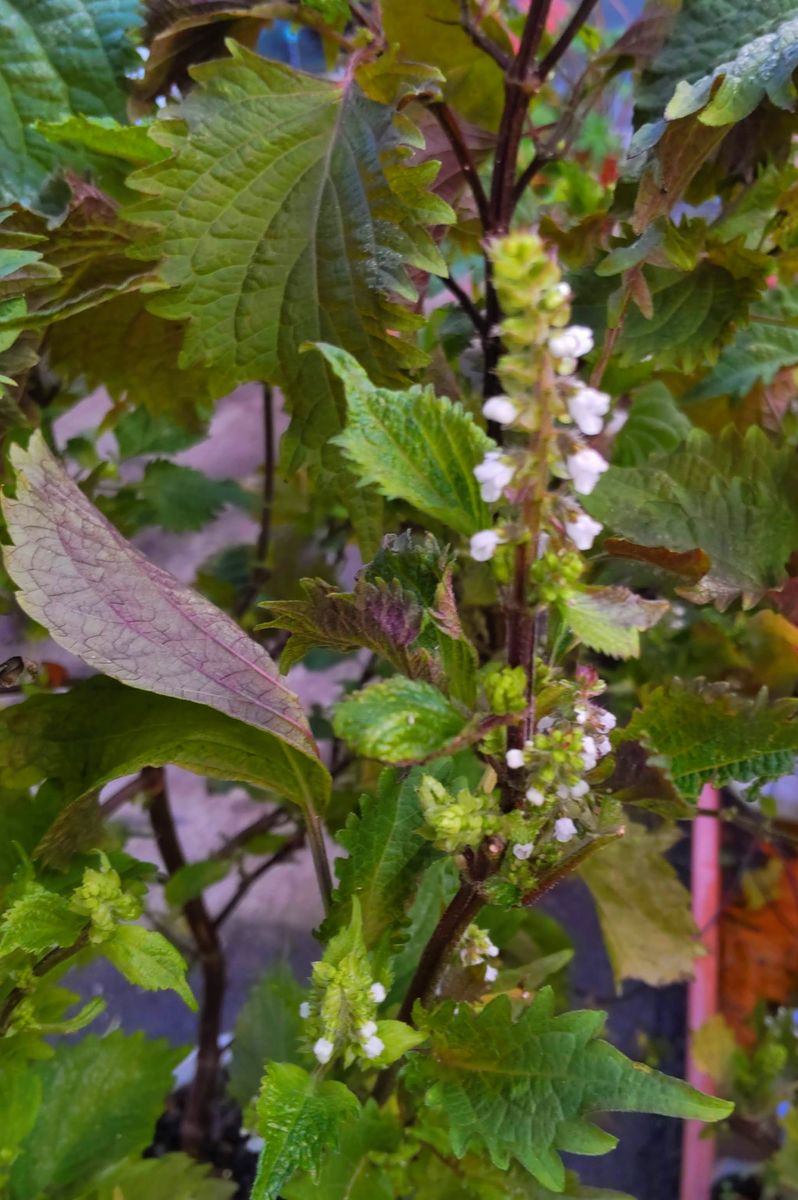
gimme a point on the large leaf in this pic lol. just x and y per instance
(709, 735)
(735, 498)
(354, 1169)
(386, 855)
(524, 1089)
(299, 1116)
(413, 445)
(101, 730)
(655, 425)
(104, 601)
(100, 1100)
(268, 1028)
(429, 31)
(284, 216)
(171, 1177)
(57, 58)
(399, 721)
(758, 352)
(706, 33)
(644, 910)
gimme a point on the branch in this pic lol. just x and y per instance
(568, 34)
(264, 824)
(450, 126)
(50, 961)
(247, 881)
(260, 572)
(563, 869)
(481, 40)
(318, 852)
(466, 303)
(197, 1118)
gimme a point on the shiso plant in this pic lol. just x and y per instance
(524, 285)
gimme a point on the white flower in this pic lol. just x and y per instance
(544, 723)
(484, 543)
(589, 753)
(603, 746)
(523, 850)
(605, 720)
(582, 530)
(515, 759)
(563, 792)
(304, 1010)
(374, 1047)
(535, 797)
(572, 342)
(368, 1030)
(493, 475)
(323, 1049)
(564, 829)
(580, 714)
(580, 789)
(491, 950)
(584, 468)
(587, 406)
(500, 409)
(491, 974)
(377, 993)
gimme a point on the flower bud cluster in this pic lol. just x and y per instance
(542, 398)
(100, 897)
(505, 688)
(476, 948)
(342, 1010)
(454, 821)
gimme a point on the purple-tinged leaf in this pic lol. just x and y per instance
(105, 602)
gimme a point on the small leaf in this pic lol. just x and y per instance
(193, 878)
(609, 619)
(101, 1098)
(398, 721)
(524, 1089)
(128, 618)
(38, 921)
(268, 1028)
(648, 927)
(181, 499)
(104, 135)
(413, 445)
(354, 1169)
(149, 961)
(386, 855)
(299, 1116)
(170, 1177)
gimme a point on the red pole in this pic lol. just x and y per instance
(698, 1153)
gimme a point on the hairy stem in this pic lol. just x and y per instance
(197, 1119)
(454, 134)
(321, 865)
(50, 961)
(260, 571)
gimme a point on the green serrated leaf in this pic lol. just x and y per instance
(149, 961)
(181, 499)
(524, 1089)
(171, 1177)
(100, 1100)
(648, 927)
(386, 855)
(734, 497)
(413, 445)
(706, 33)
(401, 720)
(758, 352)
(609, 619)
(707, 734)
(57, 58)
(268, 1028)
(38, 921)
(277, 181)
(354, 1169)
(299, 1116)
(761, 68)
(655, 425)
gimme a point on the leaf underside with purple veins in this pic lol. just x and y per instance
(105, 602)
